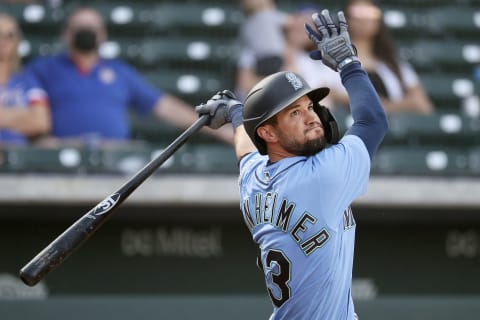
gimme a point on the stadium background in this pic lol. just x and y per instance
(178, 248)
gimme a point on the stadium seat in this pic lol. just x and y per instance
(208, 158)
(35, 18)
(3, 160)
(35, 46)
(448, 129)
(431, 161)
(36, 159)
(148, 128)
(474, 160)
(195, 86)
(447, 90)
(433, 20)
(190, 158)
(126, 159)
(440, 55)
(459, 19)
(215, 21)
(415, 3)
(166, 50)
(126, 18)
(158, 132)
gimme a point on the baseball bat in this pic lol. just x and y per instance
(72, 238)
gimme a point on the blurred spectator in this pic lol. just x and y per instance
(297, 58)
(396, 82)
(23, 113)
(263, 43)
(89, 96)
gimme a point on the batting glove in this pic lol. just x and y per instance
(333, 42)
(222, 108)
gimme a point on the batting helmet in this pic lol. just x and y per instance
(276, 92)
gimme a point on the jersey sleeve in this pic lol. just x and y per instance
(143, 96)
(345, 171)
(246, 163)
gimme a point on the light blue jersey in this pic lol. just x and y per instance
(298, 211)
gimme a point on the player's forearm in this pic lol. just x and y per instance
(242, 142)
(370, 119)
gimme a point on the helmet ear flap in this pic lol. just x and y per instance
(332, 135)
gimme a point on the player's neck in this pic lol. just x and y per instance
(277, 155)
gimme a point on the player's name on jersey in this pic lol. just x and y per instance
(174, 241)
(267, 210)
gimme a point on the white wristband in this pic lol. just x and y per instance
(346, 61)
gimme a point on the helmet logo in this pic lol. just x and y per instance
(294, 80)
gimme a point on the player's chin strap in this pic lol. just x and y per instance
(332, 135)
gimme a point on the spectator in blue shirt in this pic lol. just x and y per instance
(23, 113)
(89, 95)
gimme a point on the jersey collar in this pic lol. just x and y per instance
(269, 171)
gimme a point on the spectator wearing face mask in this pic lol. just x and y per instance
(91, 96)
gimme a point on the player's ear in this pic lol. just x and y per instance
(267, 133)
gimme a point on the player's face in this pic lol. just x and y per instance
(299, 129)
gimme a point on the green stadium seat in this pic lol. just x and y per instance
(166, 50)
(415, 3)
(440, 55)
(211, 20)
(448, 129)
(459, 19)
(3, 160)
(15, 10)
(196, 86)
(149, 128)
(34, 46)
(158, 132)
(36, 159)
(124, 159)
(447, 90)
(208, 158)
(418, 161)
(190, 158)
(474, 160)
(438, 20)
(126, 18)
(36, 18)
(119, 158)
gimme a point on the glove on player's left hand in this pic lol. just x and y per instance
(220, 108)
(334, 46)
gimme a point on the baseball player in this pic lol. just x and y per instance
(298, 177)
